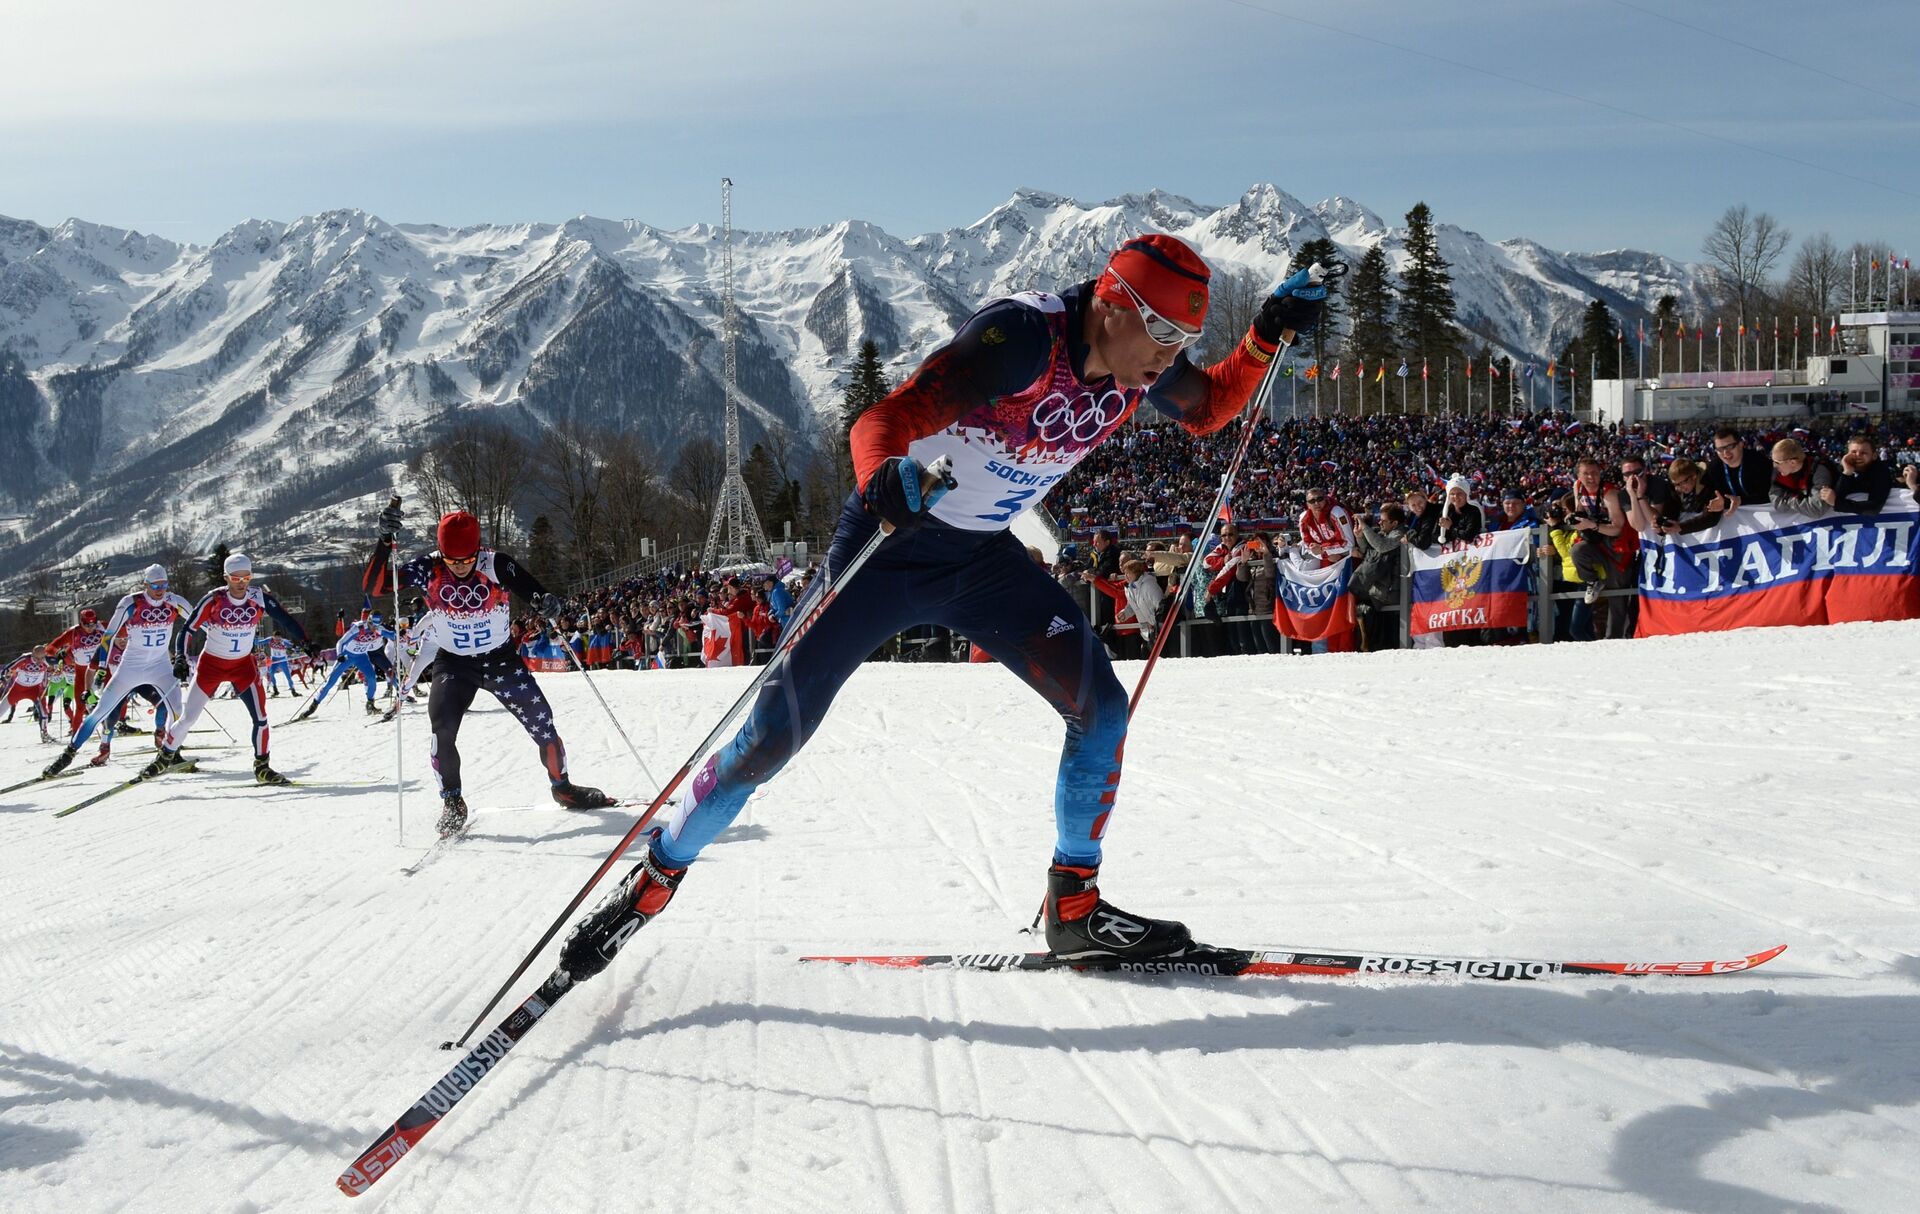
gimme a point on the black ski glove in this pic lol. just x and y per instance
(548, 605)
(1295, 304)
(179, 670)
(390, 521)
(894, 493)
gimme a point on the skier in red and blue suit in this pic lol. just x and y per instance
(1029, 385)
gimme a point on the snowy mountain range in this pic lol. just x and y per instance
(265, 388)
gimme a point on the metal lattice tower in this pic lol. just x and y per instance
(733, 511)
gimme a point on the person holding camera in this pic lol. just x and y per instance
(1604, 554)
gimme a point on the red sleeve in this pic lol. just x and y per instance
(1000, 349)
(1112, 589)
(1204, 399)
(58, 645)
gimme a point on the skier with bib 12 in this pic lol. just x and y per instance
(1028, 386)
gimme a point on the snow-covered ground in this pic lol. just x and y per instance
(212, 995)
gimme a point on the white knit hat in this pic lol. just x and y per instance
(1459, 481)
(237, 563)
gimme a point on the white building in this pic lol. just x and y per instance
(1876, 368)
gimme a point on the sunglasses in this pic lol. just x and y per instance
(1163, 331)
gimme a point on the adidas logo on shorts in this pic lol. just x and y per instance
(1058, 626)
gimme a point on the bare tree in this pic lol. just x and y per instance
(479, 466)
(1744, 248)
(699, 472)
(572, 474)
(1233, 297)
(632, 501)
(1816, 276)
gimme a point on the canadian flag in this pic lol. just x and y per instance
(716, 638)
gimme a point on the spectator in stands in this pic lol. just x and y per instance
(1573, 617)
(1515, 511)
(1256, 574)
(779, 601)
(1604, 552)
(1685, 508)
(1376, 579)
(1655, 488)
(1743, 479)
(1106, 554)
(1864, 482)
(1423, 519)
(1799, 478)
(1326, 530)
(1460, 520)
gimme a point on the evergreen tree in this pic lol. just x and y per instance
(1600, 336)
(1666, 317)
(217, 564)
(1573, 362)
(765, 483)
(1370, 298)
(543, 550)
(867, 386)
(1426, 318)
(1324, 341)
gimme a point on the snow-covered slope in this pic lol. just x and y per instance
(213, 996)
(247, 389)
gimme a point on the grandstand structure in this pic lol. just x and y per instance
(1874, 371)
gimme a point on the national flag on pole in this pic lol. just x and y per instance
(1360, 372)
(1796, 328)
(1742, 328)
(1423, 368)
(1286, 372)
(1575, 427)
(1469, 368)
(1833, 330)
(1529, 371)
(1335, 373)
(1329, 467)
(1313, 371)
(1379, 373)
(1642, 330)
(1716, 329)
(1402, 372)
(1493, 372)
(1549, 368)
(1226, 506)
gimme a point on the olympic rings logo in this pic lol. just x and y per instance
(465, 598)
(1081, 419)
(239, 617)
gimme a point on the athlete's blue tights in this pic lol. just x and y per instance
(982, 585)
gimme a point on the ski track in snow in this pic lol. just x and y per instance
(214, 994)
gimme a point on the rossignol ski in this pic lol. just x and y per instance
(1207, 961)
(403, 1135)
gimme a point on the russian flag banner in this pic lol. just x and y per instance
(1313, 604)
(1765, 567)
(1482, 583)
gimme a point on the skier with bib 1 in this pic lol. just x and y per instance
(468, 585)
(1028, 386)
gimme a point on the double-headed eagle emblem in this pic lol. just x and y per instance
(1459, 577)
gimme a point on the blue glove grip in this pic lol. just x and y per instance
(1300, 285)
(909, 472)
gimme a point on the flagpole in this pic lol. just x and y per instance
(1446, 383)
(1423, 385)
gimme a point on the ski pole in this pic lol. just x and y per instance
(1259, 407)
(936, 474)
(399, 755)
(618, 728)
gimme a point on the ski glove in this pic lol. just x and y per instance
(390, 521)
(548, 605)
(179, 670)
(1295, 304)
(894, 493)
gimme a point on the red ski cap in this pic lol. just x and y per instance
(1167, 273)
(459, 536)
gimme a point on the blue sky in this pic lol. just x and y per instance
(1583, 125)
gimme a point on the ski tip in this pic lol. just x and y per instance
(449, 1045)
